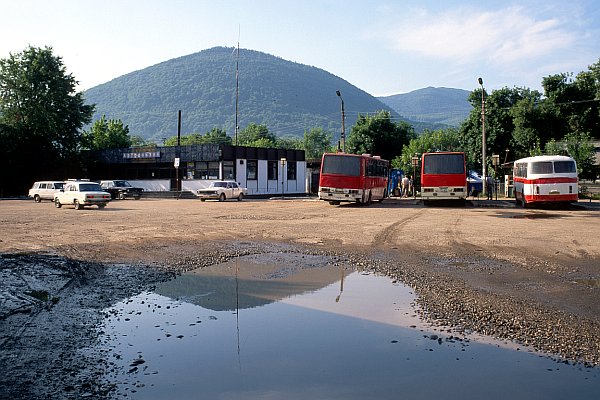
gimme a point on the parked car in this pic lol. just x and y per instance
(44, 190)
(80, 194)
(120, 189)
(222, 190)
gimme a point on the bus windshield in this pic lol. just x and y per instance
(564, 167)
(444, 164)
(341, 165)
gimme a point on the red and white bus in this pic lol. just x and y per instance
(443, 176)
(358, 178)
(545, 179)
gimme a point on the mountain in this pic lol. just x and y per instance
(440, 106)
(287, 97)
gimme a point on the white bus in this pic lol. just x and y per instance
(545, 179)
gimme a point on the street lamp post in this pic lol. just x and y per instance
(283, 161)
(483, 166)
(343, 135)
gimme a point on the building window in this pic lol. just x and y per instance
(252, 170)
(206, 170)
(291, 170)
(272, 170)
(229, 170)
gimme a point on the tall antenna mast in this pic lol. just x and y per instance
(237, 88)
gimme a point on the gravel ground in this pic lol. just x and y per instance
(527, 275)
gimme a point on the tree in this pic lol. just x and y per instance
(580, 147)
(255, 135)
(574, 103)
(378, 135)
(214, 136)
(106, 134)
(290, 143)
(428, 141)
(217, 136)
(138, 141)
(513, 120)
(185, 140)
(316, 142)
(42, 115)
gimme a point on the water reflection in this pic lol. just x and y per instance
(337, 334)
(252, 281)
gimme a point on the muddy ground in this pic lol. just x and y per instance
(528, 275)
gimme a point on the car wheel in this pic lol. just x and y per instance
(334, 203)
(222, 197)
(121, 196)
(57, 203)
(77, 205)
(241, 197)
(202, 200)
(37, 198)
(101, 206)
(137, 197)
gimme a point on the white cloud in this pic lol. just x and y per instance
(462, 35)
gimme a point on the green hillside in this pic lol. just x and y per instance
(287, 97)
(440, 106)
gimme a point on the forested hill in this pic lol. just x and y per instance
(432, 105)
(287, 97)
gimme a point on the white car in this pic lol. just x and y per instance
(222, 190)
(80, 194)
(44, 190)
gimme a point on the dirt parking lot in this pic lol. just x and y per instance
(528, 275)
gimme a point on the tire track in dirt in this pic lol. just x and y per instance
(452, 233)
(388, 235)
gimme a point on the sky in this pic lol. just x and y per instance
(383, 47)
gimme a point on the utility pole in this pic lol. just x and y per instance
(343, 135)
(483, 146)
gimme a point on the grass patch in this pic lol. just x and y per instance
(41, 295)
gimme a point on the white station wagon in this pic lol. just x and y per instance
(44, 190)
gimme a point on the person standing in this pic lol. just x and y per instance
(405, 185)
(489, 187)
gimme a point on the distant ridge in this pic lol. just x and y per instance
(287, 97)
(443, 106)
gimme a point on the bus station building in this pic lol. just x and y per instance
(263, 171)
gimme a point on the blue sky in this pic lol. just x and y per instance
(383, 47)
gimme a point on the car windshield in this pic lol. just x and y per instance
(122, 184)
(219, 184)
(89, 187)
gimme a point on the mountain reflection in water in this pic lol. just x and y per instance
(252, 281)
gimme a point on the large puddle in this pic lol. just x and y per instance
(289, 326)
